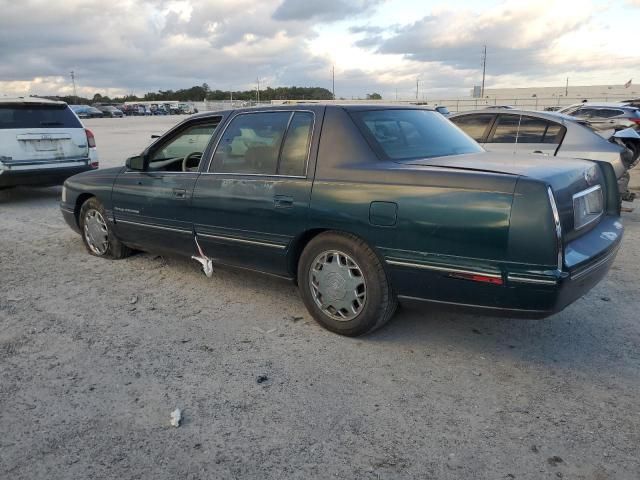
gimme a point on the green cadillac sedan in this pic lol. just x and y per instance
(362, 206)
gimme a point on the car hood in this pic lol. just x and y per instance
(102, 176)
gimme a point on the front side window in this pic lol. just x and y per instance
(183, 152)
(474, 125)
(408, 134)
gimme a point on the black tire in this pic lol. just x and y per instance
(113, 248)
(379, 303)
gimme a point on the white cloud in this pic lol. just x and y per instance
(144, 45)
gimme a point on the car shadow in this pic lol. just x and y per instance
(585, 337)
(580, 338)
(30, 194)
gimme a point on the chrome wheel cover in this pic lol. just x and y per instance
(96, 233)
(337, 285)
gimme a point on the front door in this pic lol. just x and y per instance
(151, 207)
(254, 198)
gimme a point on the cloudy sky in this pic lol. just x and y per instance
(123, 46)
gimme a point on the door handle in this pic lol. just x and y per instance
(537, 151)
(180, 193)
(283, 201)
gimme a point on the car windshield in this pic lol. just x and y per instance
(409, 134)
(37, 116)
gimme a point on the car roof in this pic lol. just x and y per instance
(512, 111)
(29, 101)
(601, 105)
(315, 105)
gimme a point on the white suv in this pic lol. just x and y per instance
(42, 142)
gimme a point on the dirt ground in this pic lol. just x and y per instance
(96, 354)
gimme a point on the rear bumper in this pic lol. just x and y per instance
(523, 293)
(42, 174)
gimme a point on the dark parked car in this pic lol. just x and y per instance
(361, 205)
(110, 111)
(85, 111)
(442, 110)
(550, 134)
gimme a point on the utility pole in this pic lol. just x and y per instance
(417, 86)
(333, 81)
(73, 80)
(231, 97)
(258, 90)
(484, 69)
(396, 94)
(566, 89)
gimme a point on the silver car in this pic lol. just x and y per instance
(606, 117)
(551, 134)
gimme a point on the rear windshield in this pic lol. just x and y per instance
(409, 134)
(37, 116)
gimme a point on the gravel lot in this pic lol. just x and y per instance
(95, 354)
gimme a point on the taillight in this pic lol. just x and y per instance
(91, 139)
(635, 120)
(492, 279)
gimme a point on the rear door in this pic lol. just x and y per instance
(33, 135)
(537, 135)
(254, 198)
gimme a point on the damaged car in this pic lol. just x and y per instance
(361, 206)
(552, 134)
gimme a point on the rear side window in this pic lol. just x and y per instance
(607, 113)
(554, 133)
(526, 130)
(408, 134)
(37, 116)
(475, 126)
(293, 159)
(531, 130)
(506, 130)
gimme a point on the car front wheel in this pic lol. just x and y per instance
(96, 233)
(344, 285)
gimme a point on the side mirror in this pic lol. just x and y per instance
(135, 163)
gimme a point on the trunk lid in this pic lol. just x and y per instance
(565, 176)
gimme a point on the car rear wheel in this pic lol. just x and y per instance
(344, 285)
(96, 233)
